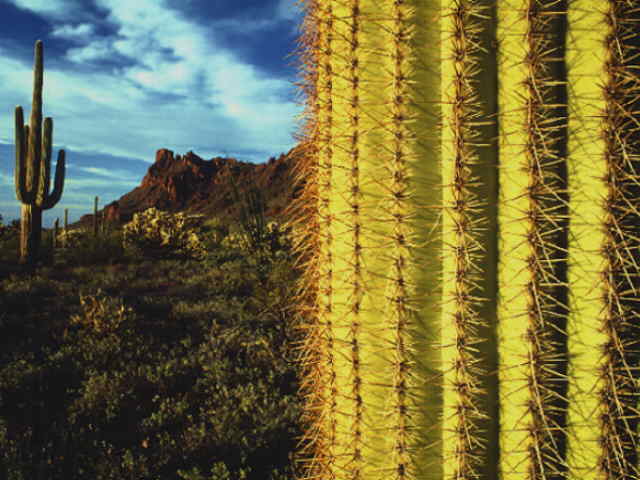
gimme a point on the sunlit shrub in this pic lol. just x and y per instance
(71, 238)
(102, 313)
(273, 239)
(158, 234)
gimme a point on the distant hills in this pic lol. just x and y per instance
(187, 183)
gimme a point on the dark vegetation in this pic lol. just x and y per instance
(116, 365)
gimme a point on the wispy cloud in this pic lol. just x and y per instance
(212, 93)
(52, 8)
(118, 175)
(78, 32)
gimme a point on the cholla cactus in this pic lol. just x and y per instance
(71, 238)
(160, 234)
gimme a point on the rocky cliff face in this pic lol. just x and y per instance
(187, 183)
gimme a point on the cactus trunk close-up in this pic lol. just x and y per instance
(468, 235)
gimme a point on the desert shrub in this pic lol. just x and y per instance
(259, 253)
(217, 225)
(212, 232)
(161, 235)
(101, 313)
(82, 248)
(151, 397)
(271, 240)
(72, 238)
(9, 231)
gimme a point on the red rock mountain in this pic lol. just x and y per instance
(189, 184)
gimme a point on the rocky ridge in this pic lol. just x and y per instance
(187, 183)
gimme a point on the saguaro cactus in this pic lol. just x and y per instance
(95, 216)
(33, 166)
(468, 233)
(66, 227)
(54, 241)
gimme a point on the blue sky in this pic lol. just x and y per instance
(123, 78)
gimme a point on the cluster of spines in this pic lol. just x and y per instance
(621, 226)
(462, 443)
(546, 237)
(329, 407)
(400, 284)
(354, 194)
(306, 214)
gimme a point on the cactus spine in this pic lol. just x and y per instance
(33, 164)
(469, 235)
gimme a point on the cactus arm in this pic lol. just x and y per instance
(25, 139)
(58, 187)
(20, 173)
(45, 165)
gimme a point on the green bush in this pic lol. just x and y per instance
(270, 240)
(9, 231)
(128, 395)
(82, 248)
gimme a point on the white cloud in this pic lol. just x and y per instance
(73, 32)
(107, 172)
(112, 112)
(98, 183)
(94, 50)
(51, 8)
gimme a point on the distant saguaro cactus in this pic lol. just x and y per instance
(33, 165)
(66, 227)
(95, 217)
(54, 241)
(469, 232)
